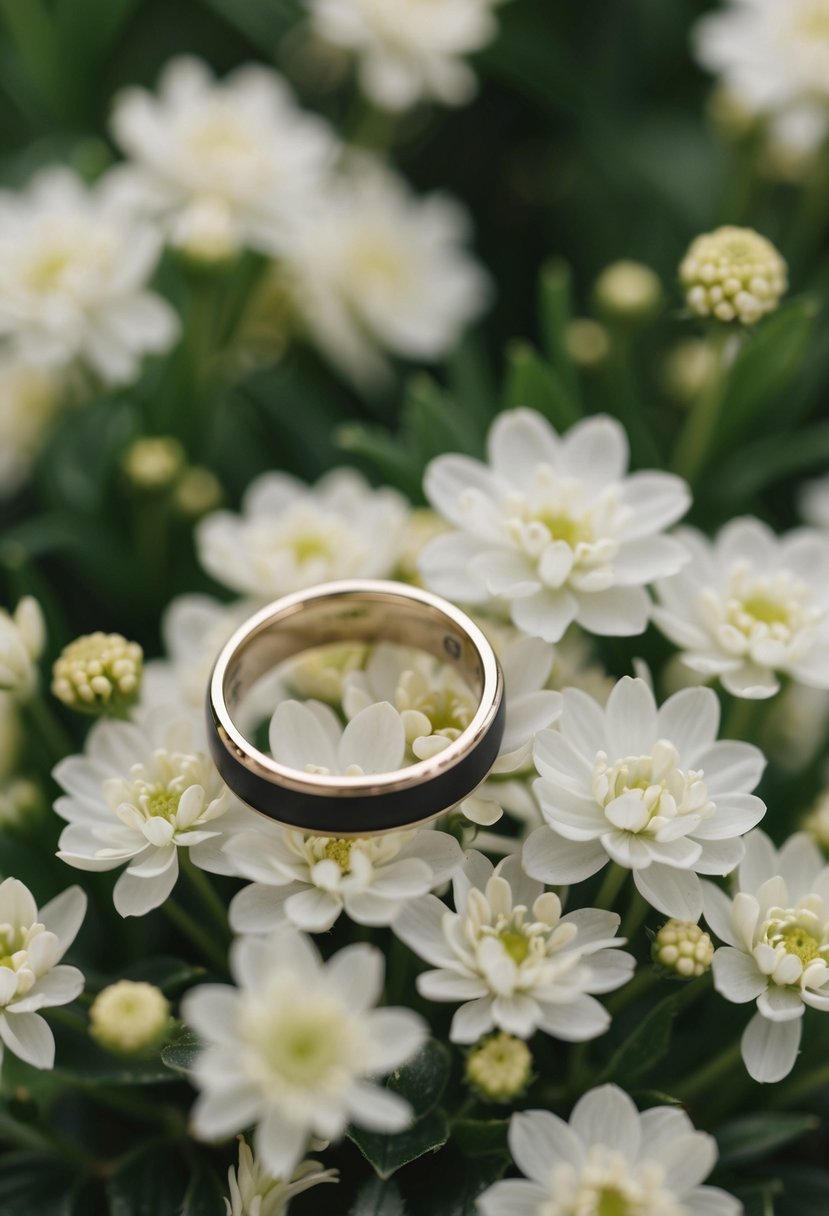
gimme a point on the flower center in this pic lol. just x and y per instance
(563, 526)
(798, 931)
(310, 546)
(305, 1038)
(339, 851)
(811, 22)
(445, 700)
(611, 1202)
(47, 268)
(800, 943)
(756, 612)
(161, 802)
(647, 793)
(517, 945)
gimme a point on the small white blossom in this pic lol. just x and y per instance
(32, 943)
(29, 401)
(228, 163)
(409, 51)
(74, 267)
(291, 536)
(510, 955)
(554, 526)
(609, 1160)
(294, 1048)
(374, 271)
(776, 931)
(773, 59)
(22, 638)
(649, 788)
(749, 605)
(255, 1192)
(141, 791)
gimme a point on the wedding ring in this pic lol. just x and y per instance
(355, 610)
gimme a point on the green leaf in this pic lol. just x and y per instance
(385, 454)
(33, 1184)
(805, 1191)
(150, 1182)
(759, 465)
(87, 1065)
(204, 1195)
(555, 290)
(422, 1081)
(166, 972)
(432, 422)
(378, 1198)
(753, 1136)
(764, 368)
(463, 1180)
(262, 22)
(642, 1050)
(181, 1054)
(533, 383)
(388, 1153)
(477, 1137)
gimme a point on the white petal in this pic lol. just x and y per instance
(711, 1201)
(136, 896)
(717, 907)
(279, 1145)
(675, 892)
(607, 1116)
(63, 916)
(396, 1034)
(583, 724)
(735, 815)
(356, 972)
(539, 1140)
(56, 987)
(780, 1004)
(515, 1197)
(213, 1010)
(259, 909)
(472, 1020)
(799, 863)
(690, 720)
(688, 1161)
(298, 738)
(546, 614)
(617, 612)
(657, 499)
(552, 859)
(28, 1037)
(312, 910)
(374, 739)
(737, 976)
(574, 1021)
(378, 1109)
(630, 719)
(731, 766)
(770, 1048)
(518, 441)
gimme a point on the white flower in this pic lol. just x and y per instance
(510, 955)
(74, 266)
(749, 605)
(228, 163)
(553, 525)
(773, 59)
(294, 1047)
(194, 629)
(32, 943)
(776, 931)
(408, 51)
(29, 400)
(308, 881)
(255, 1192)
(648, 788)
(609, 1160)
(22, 638)
(374, 270)
(141, 791)
(291, 536)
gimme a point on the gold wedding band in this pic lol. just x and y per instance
(355, 610)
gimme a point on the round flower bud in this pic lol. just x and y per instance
(154, 463)
(628, 291)
(20, 799)
(733, 274)
(683, 948)
(129, 1017)
(206, 232)
(688, 369)
(499, 1068)
(98, 672)
(198, 492)
(587, 342)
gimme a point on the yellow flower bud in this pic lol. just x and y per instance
(628, 291)
(733, 274)
(587, 342)
(130, 1017)
(683, 948)
(154, 463)
(98, 672)
(500, 1067)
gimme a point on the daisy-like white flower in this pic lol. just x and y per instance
(291, 536)
(776, 931)
(609, 1160)
(553, 525)
(409, 51)
(74, 267)
(509, 954)
(32, 943)
(773, 59)
(750, 605)
(255, 1192)
(141, 791)
(228, 163)
(294, 1048)
(649, 788)
(375, 271)
(22, 638)
(310, 880)
(29, 401)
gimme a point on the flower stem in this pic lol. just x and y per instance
(694, 442)
(48, 727)
(705, 1078)
(637, 910)
(191, 929)
(206, 892)
(612, 884)
(642, 982)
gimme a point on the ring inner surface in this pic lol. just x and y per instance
(382, 618)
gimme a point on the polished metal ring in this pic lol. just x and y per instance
(355, 610)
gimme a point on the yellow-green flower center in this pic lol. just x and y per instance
(516, 944)
(767, 610)
(612, 1202)
(562, 526)
(339, 850)
(161, 803)
(800, 942)
(308, 546)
